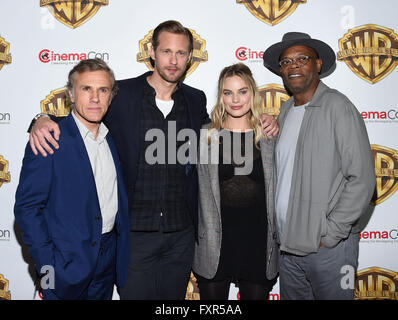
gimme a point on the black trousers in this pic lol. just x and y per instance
(160, 265)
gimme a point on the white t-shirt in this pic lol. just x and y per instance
(164, 106)
(285, 151)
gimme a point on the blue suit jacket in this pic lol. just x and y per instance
(58, 211)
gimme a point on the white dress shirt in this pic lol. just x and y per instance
(104, 172)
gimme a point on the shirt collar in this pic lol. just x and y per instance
(84, 132)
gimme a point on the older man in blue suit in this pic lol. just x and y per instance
(72, 206)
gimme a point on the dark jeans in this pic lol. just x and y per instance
(159, 266)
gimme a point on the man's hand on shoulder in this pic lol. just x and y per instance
(269, 125)
(40, 137)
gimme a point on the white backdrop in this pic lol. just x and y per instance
(28, 75)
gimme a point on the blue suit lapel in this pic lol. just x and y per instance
(85, 168)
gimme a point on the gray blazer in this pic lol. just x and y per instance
(207, 249)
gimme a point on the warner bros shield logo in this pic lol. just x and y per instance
(376, 284)
(5, 294)
(370, 51)
(5, 56)
(192, 292)
(199, 53)
(386, 169)
(5, 176)
(56, 103)
(73, 13)
(271, 11)
(272, 97)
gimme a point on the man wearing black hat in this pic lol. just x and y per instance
(325, 174)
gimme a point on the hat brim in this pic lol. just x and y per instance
(325, 53)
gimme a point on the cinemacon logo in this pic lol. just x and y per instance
(379, 235)
(380, 115)
(243, 54)
(47, 56)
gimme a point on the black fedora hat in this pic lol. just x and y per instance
(290, 39)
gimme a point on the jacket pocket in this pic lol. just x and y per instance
(303, 232)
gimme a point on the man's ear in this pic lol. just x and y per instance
(71, 96)
(152, 52)
(319, 65)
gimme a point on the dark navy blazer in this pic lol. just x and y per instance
(124, 118)
(58, 211)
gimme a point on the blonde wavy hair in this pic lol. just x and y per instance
(219, 114)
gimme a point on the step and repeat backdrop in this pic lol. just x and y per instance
(41, 40)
